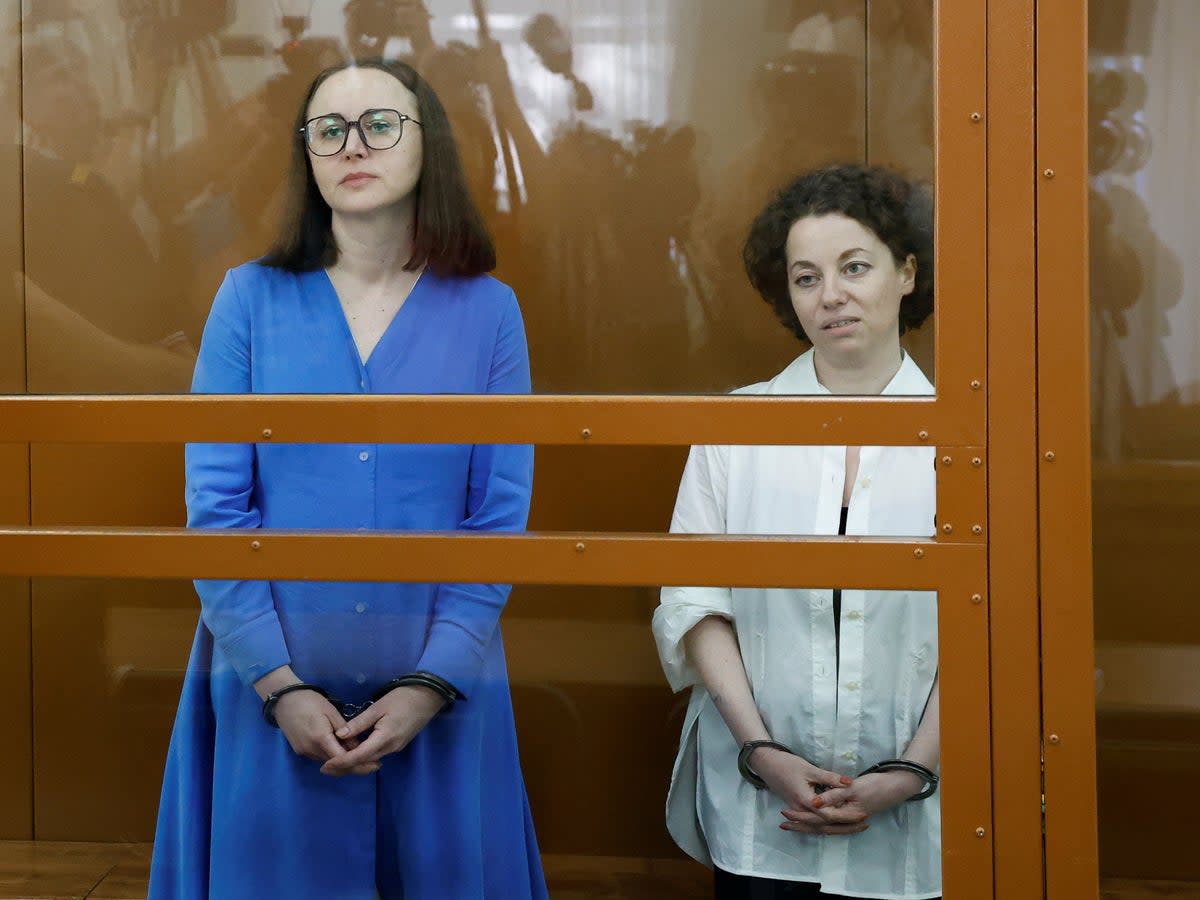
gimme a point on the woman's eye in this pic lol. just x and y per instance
(856, 268)
(806, 280)
(380, 126)
(332, 131)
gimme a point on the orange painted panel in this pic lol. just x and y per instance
(1064, 453)
(1012, 459)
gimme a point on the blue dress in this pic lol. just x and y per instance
(447, 818)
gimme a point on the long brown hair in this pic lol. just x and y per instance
(450, 237)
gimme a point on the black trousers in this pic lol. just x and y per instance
(727, 886)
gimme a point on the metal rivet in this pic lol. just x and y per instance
(948, 528)
(255, 545)
(976, 529)
(977, 598)
(586, 433)
(980, 832)
(976, 384)
(976, 117)
(580, 547)
(1050, 457)
(919, 553)
(1055, 739)
(976, 461)
(923, 435)
(266, 434)
(947, 460)
(1049, 173)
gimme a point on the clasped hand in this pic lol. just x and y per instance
(824, 802)
(315, 729)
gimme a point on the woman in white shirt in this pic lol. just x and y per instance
(797, 693)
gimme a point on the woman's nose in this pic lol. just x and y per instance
(832, 292)
(355, 145)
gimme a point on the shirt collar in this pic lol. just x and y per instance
(801, 378)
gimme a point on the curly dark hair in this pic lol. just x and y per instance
(898, 211)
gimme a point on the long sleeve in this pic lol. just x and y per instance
(499, 489)
(220, 494)
(699, 509)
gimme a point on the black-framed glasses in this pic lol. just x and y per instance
(379, 129)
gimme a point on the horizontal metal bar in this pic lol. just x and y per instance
(547, 558)
(539, 419)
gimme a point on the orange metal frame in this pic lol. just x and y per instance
(1064, 447)
(983, 422)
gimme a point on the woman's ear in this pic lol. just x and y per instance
(908, 275)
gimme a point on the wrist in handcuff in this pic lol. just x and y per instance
(925, 774)
(445, 691)
(747, 751)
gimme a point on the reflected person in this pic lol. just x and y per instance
(377, 285)
(822, 703)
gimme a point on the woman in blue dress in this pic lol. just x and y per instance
(282, 780)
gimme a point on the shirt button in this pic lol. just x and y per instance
(855, 615)
(852, 686)
(361, 678)
(849, 754)
(360, 607)
(866, 483)
(364, 456)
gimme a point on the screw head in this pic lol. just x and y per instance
(976, 384)
(976, 461)
(923, 435)
(977, 598)
(266, 434)
(919, 553)
(580, 547)
(585, 433)
(948, 528)
(1050, 456)
(976, 117)
(947, 460)
(1049, 173)
(1055, 739)
(976, 529)
(255, 545)
(980, 832)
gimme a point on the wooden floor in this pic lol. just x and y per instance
(65, 871)
(44, 870)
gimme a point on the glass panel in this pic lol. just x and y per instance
(1146, 420)
(597, 726)
(619, 150)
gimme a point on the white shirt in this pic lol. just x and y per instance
(843, 720)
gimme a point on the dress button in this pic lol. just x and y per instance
(364, 456)
(361, 678)
(360, 607)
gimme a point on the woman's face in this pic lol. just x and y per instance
(360, 180)
(846, 289)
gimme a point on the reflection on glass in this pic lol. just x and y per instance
(112, 657)
(1146, 433)
(618, 156)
